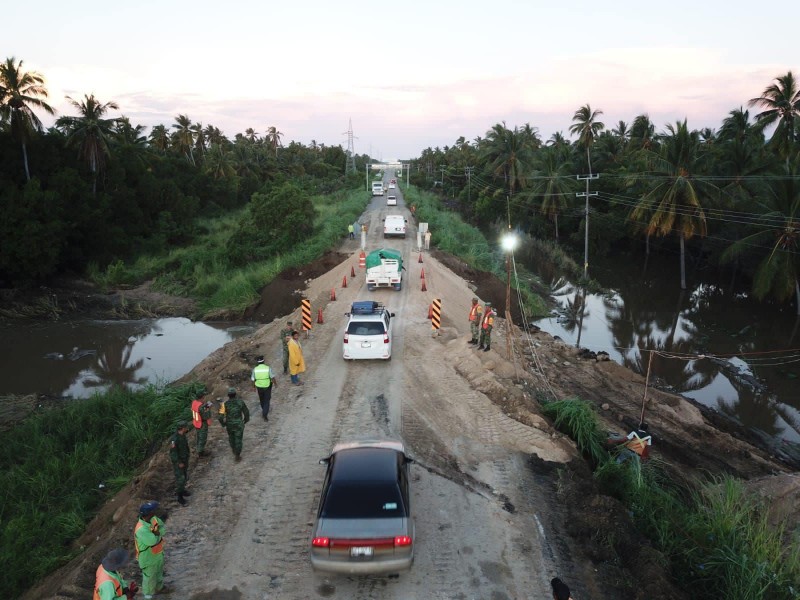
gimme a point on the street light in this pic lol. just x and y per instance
(508, 242)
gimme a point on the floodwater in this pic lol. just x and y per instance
(77, 359)
(714, 343)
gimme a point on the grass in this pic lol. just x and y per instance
(54, 463)
(717, 536)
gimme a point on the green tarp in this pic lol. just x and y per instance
(374, 258)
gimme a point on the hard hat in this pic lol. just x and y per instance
(148, 507)
(117, 559)
(231, 391)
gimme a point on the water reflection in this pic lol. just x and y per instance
(77, 359)
(649, 311)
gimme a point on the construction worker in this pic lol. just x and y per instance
(297, 363)
(487, 322)
(285, 334)
(234, 416)
(148, 538)
(179, 455)
(108, 583)
(263, 379)
(201, 419)
(475, 314)
(352, 231)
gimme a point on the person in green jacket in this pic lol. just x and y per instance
(149, 542)
(233, 416)
(179, 455)
(109, 583)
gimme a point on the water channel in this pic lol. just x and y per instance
(76, 359)
(717, 345)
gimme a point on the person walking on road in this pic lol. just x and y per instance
(201, 419)
(297, 363)
(108, 582)
(428, 239)
(179, 455)
(560, 589)
(264, 381)
(234, 416)
(286, 334)
(148, 537)
(351, 231)
(487, 323)
(475, 314)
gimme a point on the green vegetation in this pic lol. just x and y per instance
(717, 536)
(466, 241)
(54, 463)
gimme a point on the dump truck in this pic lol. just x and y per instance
(384, 269)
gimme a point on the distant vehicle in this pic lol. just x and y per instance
(391, 186)
(393, 180)
(391, 200)
(364, 524)
(384, 269)
(394, 225)
(377, 188)
(369, 332)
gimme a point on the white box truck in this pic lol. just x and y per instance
(384, 269)
(377, 188)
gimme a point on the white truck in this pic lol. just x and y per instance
(384, 269)
(377, 188)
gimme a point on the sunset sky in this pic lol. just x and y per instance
(411, 74)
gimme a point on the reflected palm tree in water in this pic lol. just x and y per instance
(114, 367)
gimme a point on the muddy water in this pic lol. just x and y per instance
(77, 359)
(750, 368)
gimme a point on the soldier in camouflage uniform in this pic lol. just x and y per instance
(285, 334)
(234, 415)
(487, 323)
(179, 455)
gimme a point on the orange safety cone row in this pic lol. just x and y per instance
(420, 257)
(333, 294)
(319, 317)
(352, 271)
(424, 287)
(422, 275)
(344, 281)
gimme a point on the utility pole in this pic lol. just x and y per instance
(350, 165)
(441, 181)
(587, 195)
(468, 173)
(366, 173)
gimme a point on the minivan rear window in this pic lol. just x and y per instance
(366, 328)
(363, 501)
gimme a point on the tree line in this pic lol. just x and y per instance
(730, 195)
(95, 188)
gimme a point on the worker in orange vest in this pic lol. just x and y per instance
(109, 583)
(487, 323)
(475, 314)
(149, 542)
(201, 419)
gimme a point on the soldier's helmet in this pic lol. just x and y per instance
(231, 392)
(182, 425)
(259, 359)
(148, 508)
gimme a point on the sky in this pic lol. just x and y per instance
(409, 75)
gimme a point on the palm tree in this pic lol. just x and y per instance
(20, 92)
(780, 234)
(90, 132)
(159, 138)
(553, 183)
(674, 202)
(273, 138)
(218, 162)
(642, 133)
(509, 154)
(587, 128)
(183, 137)
(781, 102)
(199, 139)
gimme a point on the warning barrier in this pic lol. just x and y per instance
(436, 321)
(362, 260)
(352, 271)
(422, 275)
(306, 310)
(344, 281)
(333, 294)
(424, 287)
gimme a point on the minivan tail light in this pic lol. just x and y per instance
(346, 337)
(386, 339)
(323, 542)
(402, 540)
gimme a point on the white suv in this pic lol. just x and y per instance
(369, 332)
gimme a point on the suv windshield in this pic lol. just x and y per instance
(357, 500)
(365, 328)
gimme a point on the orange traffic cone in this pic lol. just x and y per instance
(352, 271)
(333, 294)
(424, 287)
(344, 281)
(430, 310)
(420, 257)
(319, 317)
(422, 275)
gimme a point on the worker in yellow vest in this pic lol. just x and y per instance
(264, 381)
(109, 583)
(149, 542)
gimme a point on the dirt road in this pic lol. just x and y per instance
(489, 520)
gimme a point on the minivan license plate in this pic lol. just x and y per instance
(365, 551)
(366, 345)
